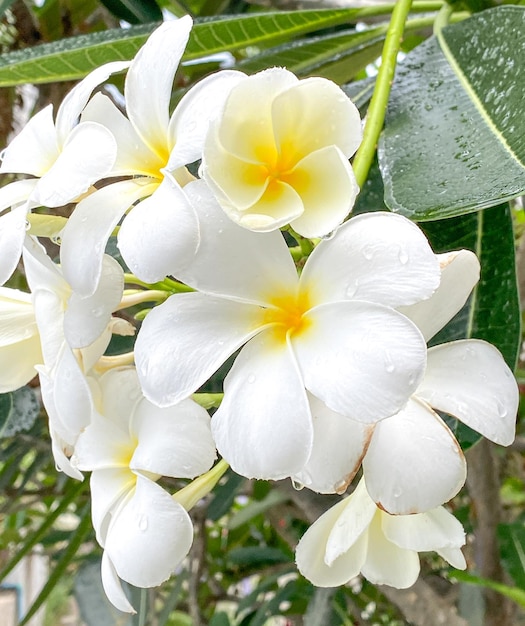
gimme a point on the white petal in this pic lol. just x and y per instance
(353, 522)
(174, 441)
(326, 184)
(361, 359)
(86, 318)
(102, 446)
(41, 272)
(459, 274)
(315, 113)
(233, 261)
(49, 311)
(310, 552)
(470, 380)
(236, 183)
(263, 427)
(72, 105)
(17, 363)
(160, 234)
(183, 341)
(279, 205)
(133, 155)
(433, 530)
(72, 395)
(152, 73)
(108, 488)
(413, 463)
(386, 563)
(454, 556)
(120, 392)
(189, 122)
(34, 149)
(87, 156)
(149, 536)
(12, 235)
(245, 125)
(88, 229)
(380, 257)
(113, 587)
(338, 447)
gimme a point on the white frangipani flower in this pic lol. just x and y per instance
(279, 153)
(414, 462)
(331, 332)
(128, 445)
(64, 157)
(73, 334)
(355, 536)
(161, 232)
(20, 347)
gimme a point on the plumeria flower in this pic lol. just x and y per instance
(161, 232)
(20, 347)
(73, 335)
(128, 446)
(332, 332)
(413, 462)
(63, 157)
(279, 151)
(355, 536)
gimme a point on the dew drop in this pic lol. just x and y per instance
(389, 364)
(402, 255)
(251, 378)
(368, 252)
(28, 225)
(328, 236)
(397, 492)
(143, 523)
(297, 485)
(352, 289)
(501, 408)
(57, 239)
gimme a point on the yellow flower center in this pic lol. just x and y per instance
(286, 314)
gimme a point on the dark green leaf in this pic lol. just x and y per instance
(134, 11)
(22, 414)
(515, 594)
(74, 57)
(224, 495)
(454, 138)
(4, 5)
(220, 619)
(255, 556)
(512, 548)
(6, 404)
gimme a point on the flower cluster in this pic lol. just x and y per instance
(332, 373)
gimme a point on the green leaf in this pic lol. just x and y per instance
(255, 508)
(18, 411)
(515, 594)
(512, 547)
(224, 495)
(4, 5)
(255, 556)
(340, 56)
(134, 11)
(74, 57)
(454, 138)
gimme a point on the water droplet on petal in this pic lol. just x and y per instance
(28, 225)
(368, 252)
(251, 378)
(142, 523)
(501, 408)
(402, 255)
(297, 485)
(389, 363)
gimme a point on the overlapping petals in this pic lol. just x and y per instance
(355, 536)
(279, 152)
(342, 350)
(129, 444)
(161, 233)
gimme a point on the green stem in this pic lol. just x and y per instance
(377, 109)
(168, 284)
(208, 400)
(442, 18)
(387, 9)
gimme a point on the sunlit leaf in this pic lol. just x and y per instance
(454, 138)
(74, 57)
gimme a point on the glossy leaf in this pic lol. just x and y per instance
(74, 57)
(18, 411)
(454, 139)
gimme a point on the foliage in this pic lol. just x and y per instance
(451, 156)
